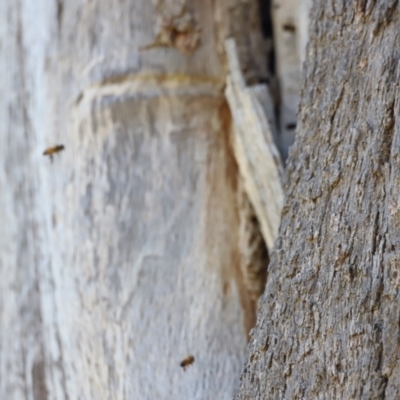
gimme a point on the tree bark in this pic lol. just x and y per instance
(123, 255)
(328, 323)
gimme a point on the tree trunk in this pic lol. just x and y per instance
(127, 251)
(328, 324)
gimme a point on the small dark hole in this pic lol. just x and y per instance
(254, 220)
(351, 272)
(264, 80)
(265, 15)
(289, 27)
(291, 126)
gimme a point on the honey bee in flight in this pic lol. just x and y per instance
(53, 150)
(189, 360)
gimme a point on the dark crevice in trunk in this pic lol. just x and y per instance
(267, 31)
(253, 250)
(265, 7)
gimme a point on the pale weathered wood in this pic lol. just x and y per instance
(122, 256)
(289, 30)
(255, 150)
(328, 324)
(304, 27)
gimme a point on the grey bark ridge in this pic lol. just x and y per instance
(328, 323)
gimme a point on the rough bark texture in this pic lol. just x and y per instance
(328, 324)
(124, 255)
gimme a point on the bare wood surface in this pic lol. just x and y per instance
(121, 257)
(255, 150)
(290, 32)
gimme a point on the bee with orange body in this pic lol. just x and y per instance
(189, 360)
(53, 150)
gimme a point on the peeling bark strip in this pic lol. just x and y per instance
(254, 147)
(328, 324)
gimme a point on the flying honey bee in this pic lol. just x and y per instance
(53, 150)
(189, 360)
